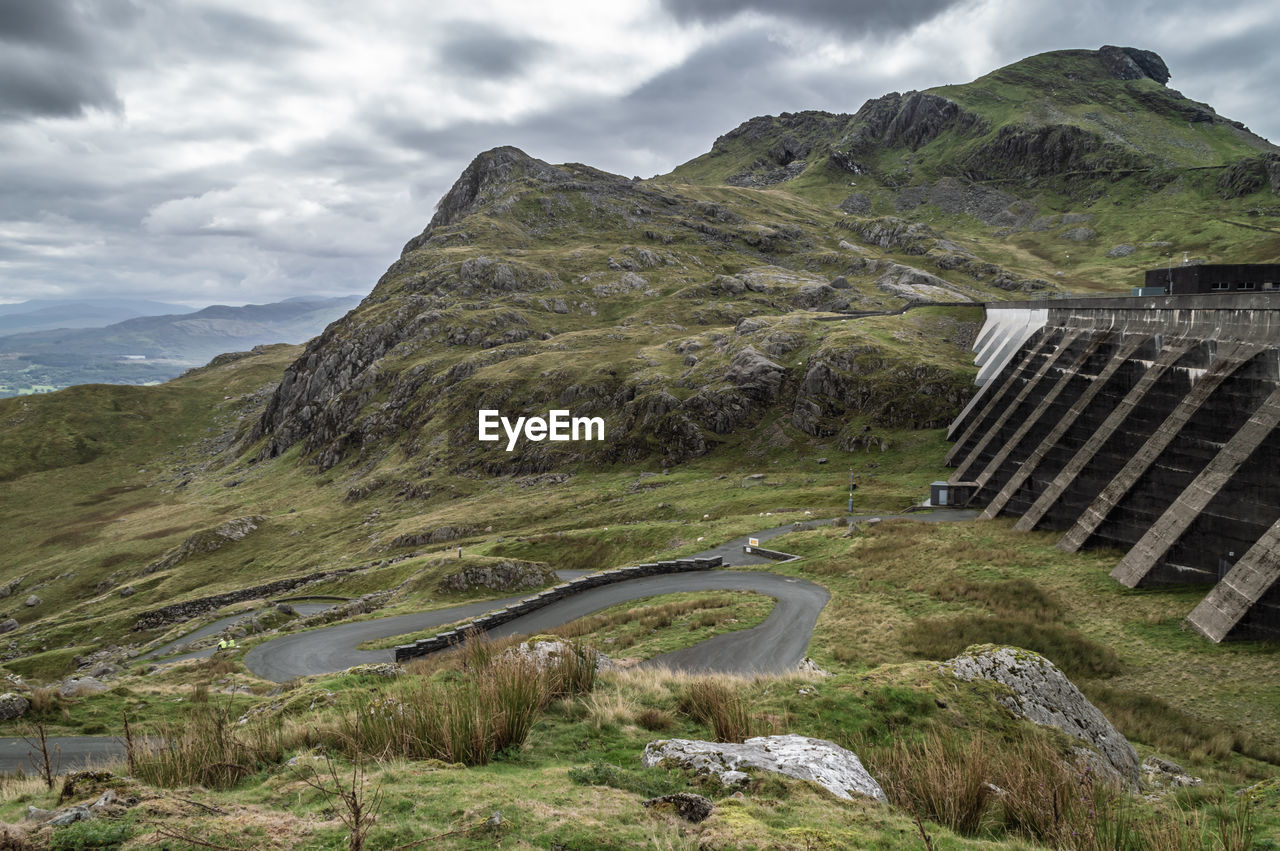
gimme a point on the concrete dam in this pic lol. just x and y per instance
(1148, 424)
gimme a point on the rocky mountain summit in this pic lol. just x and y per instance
(681, 309)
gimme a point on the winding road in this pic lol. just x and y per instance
(778, 644)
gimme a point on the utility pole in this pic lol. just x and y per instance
(850, 490)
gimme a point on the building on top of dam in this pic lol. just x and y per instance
(1148, 424)
(1214, 278)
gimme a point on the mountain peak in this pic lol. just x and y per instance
(488, 175)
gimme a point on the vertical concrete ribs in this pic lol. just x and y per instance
(1150, 424)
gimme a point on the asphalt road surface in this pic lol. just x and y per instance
(775, 645)
(66, 753)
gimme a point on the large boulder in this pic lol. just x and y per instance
(8, 625)
(1041, 693)
(81, 686)
(816, 760)
(13, 706)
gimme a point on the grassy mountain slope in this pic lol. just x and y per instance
(1060, 165)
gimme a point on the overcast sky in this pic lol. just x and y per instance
(230, 151)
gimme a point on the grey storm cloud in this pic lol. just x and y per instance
(847, 16)
(260, 150)
(39, 83)
(487, 54)
(47, 64)
(46, 23)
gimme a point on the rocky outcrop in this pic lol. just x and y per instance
(1130, 63)
(819, 761)
(1245, 177)
(208, 541)
(841, 380)
(1041, 693)
(909, 120)
(894, 234)
(438, 535)
(505, 575)
(1050, 150)
(914, 285)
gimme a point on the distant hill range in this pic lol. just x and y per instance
(48, 314)
(141, 349)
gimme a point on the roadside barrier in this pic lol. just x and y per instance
(497, 617)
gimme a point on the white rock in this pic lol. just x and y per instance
(816, 760)
(1041, 693)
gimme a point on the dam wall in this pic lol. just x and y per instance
(1147, 424)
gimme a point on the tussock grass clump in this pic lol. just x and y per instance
(1027, 787)
(471, 716)
(210, 748)
(720, 706)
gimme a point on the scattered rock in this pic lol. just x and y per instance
(808, 666)
(687, 805)
(127, 591)
(1163, 774)
(33, 600)
(859, 204)
(1079, 234)
(1041, 693)
(9, 587)
(13, 706)
(1121, 251)
(70, 815)
(816, 760)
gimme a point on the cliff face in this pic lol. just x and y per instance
(679, 309)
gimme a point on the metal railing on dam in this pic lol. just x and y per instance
(1149, 424)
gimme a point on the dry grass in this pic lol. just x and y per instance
(1025, 786)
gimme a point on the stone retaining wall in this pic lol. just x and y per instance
(193, 608)
(776, 555)
(487, 621)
